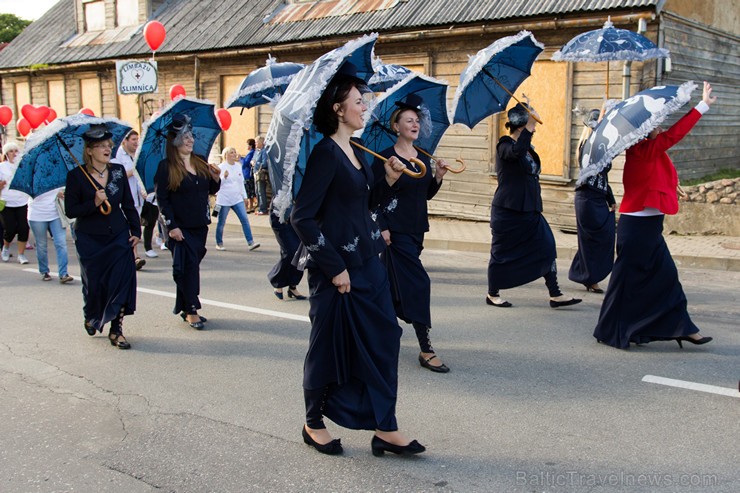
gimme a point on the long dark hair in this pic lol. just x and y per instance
(176, 166)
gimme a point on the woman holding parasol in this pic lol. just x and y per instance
(645, 301)
(104, 238)
(403, 220)
(522, 243)
(351, 368)
(183, 182)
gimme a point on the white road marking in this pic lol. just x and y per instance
(220, 304)
(683, 384)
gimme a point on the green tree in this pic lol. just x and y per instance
(11, 26)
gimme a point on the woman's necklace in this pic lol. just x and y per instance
(100, 173)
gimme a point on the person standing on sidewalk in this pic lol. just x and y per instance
(403, 219)
(43, 217)
(246, 163)
(595, 206)
(522, 243)
(125, 156)
(232, 195)
(15, 213)
(644, 301)
(261, 176)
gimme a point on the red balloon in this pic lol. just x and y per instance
(52, 115)
(177, 91)
(6, 114)
(224, 118)
(35, 115)
(23, 126)
(86, 111)
(154, 34)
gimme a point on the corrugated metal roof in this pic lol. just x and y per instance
(203, 25)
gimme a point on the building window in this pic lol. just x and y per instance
(94, 15)
(90, 95)
(127, 12)
(57, 97)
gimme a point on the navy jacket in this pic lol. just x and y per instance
(247, 165)
(518, 170)
(79, 203)
(186, 207)
(331, 214)
(404, 209)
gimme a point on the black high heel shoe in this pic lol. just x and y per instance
(293, 293)
(380, 446)
(701, 341)
(332, 448)
(278, 294)
(184, 317)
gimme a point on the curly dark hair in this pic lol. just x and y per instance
(324, 116)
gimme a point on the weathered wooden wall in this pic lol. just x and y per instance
(701, 53)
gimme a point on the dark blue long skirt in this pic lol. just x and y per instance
(596, 230)
(353, 348)
(522, 248)
(410, 284)
(108, 276)
(186, 257)
(283, 273)
(644, 301)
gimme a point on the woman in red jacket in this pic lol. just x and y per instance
(645, 301)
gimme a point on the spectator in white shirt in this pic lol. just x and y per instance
(125, 156)
(232, 195)
(43, 216)
(15, 213)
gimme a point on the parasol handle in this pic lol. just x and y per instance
(515, 99)
(412, 174)
(105, 207)
(451, 170)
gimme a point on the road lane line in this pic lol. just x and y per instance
(220, 304)
(683, 384)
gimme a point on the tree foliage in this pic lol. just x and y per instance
(11, 26)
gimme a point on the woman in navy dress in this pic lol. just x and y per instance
(595, 206)
(522, 243)
(403, 220)
(104, 242)
(351, 368)
(183, 182)
(644, 301)
(284, 274)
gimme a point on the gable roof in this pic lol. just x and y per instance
(207, 25)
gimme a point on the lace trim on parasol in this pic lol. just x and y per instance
(627, 55)
(260, 86)
(284, 197)
(39, 136)
(480, 59)
(683, 95)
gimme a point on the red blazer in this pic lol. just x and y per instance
(649, 178)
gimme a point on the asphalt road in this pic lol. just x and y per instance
(532, 403)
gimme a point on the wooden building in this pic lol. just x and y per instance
(66, 60)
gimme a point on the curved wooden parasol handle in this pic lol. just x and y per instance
(105, 207)
(451, 170)
(412, 174)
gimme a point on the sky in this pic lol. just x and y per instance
(26, 9)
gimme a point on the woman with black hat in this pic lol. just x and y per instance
(104, 241)
(351, 368)
(403, 220)
(522, 243)
(595, 207)
(183, 182)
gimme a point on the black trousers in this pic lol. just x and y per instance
(16, 223)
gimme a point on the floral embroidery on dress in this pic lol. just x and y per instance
(351, 247)
(116, 175)
(320, 241)
(392, 205)
(375, 234)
